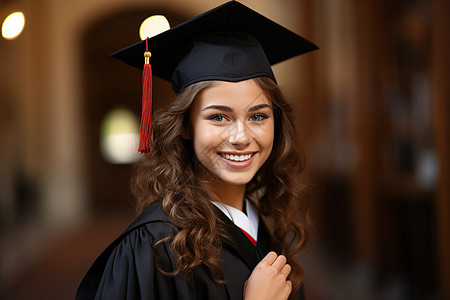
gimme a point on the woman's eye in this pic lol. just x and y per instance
(258, 117)
(217, 118)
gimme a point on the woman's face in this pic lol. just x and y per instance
(232, 130)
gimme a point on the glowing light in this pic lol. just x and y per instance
(119, 137)
(13, 25)
(152, 26)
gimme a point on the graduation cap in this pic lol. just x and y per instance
(229, 43)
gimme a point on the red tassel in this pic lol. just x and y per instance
(146, 120)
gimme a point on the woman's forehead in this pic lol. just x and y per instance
(243, 94)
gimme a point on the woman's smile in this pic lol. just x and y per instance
(237, 161)
(236, 157)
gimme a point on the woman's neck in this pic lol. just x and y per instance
(232, 195)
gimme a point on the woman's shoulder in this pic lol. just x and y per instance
(153, 219)
(131, 254)
(151, 225)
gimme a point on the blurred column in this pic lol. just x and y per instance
(440, 63)
(367, 112)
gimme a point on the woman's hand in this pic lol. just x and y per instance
(269, 279)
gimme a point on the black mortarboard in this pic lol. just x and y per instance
(183, 56)
(230, 43)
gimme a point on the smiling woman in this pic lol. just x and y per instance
(209, 120)
(224, 162)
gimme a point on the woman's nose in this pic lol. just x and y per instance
(239, 133)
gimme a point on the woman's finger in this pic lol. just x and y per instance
(269, 259)
(280, 262)
(289, 286)
(286, 270)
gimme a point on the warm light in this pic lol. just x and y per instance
(13, 25)
(120, 136)
(152, 26)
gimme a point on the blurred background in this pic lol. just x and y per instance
(373, 105)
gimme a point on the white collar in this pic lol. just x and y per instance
(248, 222)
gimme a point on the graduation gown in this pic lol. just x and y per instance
(126, 269)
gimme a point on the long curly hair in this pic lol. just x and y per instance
(168, 174)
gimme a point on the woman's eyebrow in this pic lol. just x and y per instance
(259, 106)
(229, 109)
(219, 107)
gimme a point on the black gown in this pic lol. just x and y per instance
(126, 269)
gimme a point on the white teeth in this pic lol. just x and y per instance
(236, 157)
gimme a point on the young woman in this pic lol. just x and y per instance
(221, 215)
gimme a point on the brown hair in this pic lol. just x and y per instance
(168, 174)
